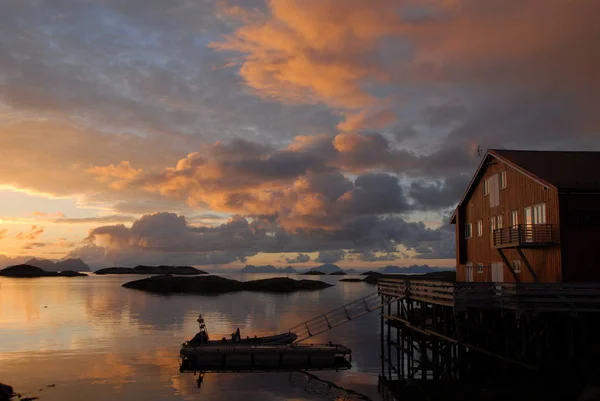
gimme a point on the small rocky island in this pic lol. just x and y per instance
(27, 271)
(314, 273)
(339, 273)
(141, 269)
(352, 280)
(167, 284)
(450, 275)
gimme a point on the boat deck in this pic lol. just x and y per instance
(275, 348)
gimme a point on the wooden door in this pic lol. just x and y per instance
(497, 272)
(469, 273)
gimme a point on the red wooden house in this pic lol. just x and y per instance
(530, 216)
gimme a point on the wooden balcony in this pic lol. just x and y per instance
(524, 236)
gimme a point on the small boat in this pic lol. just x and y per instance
(202, 339)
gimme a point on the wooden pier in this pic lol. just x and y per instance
(507, 334)
(238, 358)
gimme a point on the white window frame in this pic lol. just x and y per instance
(468, 230)
(486, 187)
(492, 224)
(499, 221)
(503, 179)
(479, 225)
(530, 210)
(479, 268)
(514, 218)
(516, 266)
(539, 213)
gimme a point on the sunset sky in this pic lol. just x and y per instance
(299, 132)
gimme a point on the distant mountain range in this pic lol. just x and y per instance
(329, 268)
(76, 265)
(325, 269)
(267, 269)
(414, 269)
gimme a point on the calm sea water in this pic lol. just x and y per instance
(95, 340)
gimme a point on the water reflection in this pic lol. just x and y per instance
(312, 384)
(93, 338)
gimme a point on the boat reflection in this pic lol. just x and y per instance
(188, 366)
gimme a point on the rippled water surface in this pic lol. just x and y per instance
(95, 340)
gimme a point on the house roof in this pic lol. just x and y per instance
(577, 171)
(564, 170)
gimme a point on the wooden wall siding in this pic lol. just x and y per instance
(521, 192)
(458, 243)
(580, 237)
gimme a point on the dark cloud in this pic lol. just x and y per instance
(156, 236)
(444, 114)
(443, 248)
(300, 258)
(438, 194)
(369, 256)
(405, 133)
(330, 256)
(375, 193)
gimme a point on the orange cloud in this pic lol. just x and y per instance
(312, 51)
(357, 121)
(32, 234)
(44, 214)
(117, 176)
(341, 53)
(303, 184)
(3, 233)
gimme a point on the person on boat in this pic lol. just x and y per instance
(236, 337)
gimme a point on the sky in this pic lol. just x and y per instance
(285, 132)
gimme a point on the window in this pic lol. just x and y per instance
(479, 228)
(480, 268)
(468, 230)
(514, 218)
(516, 266)
(496, 222)
(486, 187)
(539, 214)
(503, 180)
(528, 216)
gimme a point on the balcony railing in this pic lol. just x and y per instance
(523, 297)
(524, 235)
